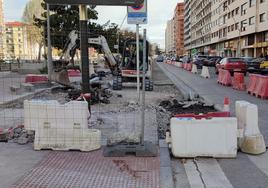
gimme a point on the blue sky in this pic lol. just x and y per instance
(159, 11)
(13, 9)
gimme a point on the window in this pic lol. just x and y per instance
(237, 10)
(243, 25)
(236, 26)
(262, 19)
(251, 20)
(262, 1)
(243, 9)
(266, 37)
(252, 3)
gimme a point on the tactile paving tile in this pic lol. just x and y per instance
(92, 170)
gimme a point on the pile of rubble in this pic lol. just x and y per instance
(17, 135)
(169, 108)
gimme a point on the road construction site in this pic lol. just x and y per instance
(119, 118)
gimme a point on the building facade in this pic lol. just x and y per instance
(19, 41)
(227, 27)
(179, 29)
(2, 29)
(170, 38)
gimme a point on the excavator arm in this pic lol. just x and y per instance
(60, 73)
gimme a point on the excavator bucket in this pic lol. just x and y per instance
(60, 73)
(61, 77)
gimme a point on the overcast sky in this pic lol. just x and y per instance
(159, 11)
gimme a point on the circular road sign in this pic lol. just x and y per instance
(137, 7)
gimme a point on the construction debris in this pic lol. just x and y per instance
(171, 107)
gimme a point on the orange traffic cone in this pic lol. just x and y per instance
(226, 104)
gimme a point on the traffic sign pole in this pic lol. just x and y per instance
(138, 60)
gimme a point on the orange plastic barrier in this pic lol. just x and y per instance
(239, 81)
(224, 78)
(252, 83)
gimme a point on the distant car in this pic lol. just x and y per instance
(232, 64)
(264, 65)
(211, 61)
(186, 59)
(198, 61)
(160, 58)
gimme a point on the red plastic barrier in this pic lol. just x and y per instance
(74, 73)
(258, 86)
(204, 116)
(239, 81)
(262, 87)
(185, 66)
(224, 77)
(33, 78)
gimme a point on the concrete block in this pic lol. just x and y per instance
(194, 69)
(253, 145)
(27, 87)
(16, 90)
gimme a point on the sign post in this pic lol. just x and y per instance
(137, 15)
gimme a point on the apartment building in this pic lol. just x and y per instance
(2, 29)
(170, 43)
(227, 27)
(19, 41)
(179, 29)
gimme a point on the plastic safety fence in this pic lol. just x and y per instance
(239, 81)
(189, 67)
(224, 77)
(258, 86)
(61, 127)
(215, 137)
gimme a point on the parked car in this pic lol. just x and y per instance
(199, 62)
(264, 65)
(232, 64)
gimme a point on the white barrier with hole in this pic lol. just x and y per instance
(215, 137)
(205, 72)
(252, 141)
(60, 127)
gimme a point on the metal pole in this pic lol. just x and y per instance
(143, 86)
(49, 48)
(84, 48)
(138, 60)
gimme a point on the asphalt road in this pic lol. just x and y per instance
(243, 172)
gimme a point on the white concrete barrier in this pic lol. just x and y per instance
(215, 137)
(194, 69)
(205, 72)
(251, 141)
(61, 127)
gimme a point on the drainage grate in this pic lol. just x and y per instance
(86, 170)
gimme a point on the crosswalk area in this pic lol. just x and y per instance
(247, 171)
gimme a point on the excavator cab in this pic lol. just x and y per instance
(128, 65)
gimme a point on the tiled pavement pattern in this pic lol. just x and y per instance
(92, 170)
